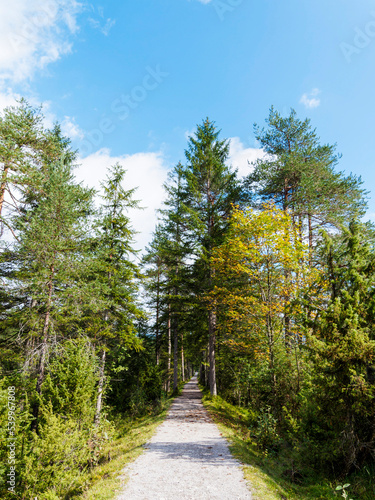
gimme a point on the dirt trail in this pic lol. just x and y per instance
(186, 459)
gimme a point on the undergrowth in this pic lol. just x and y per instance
(271, 470)
(105, 481)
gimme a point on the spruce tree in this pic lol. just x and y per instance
(112, 274)
(153, 264)
(166, 263)
(25, 149)
(47, 255)
(210, 188)
(343, 351)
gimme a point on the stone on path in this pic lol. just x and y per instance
(187, 458)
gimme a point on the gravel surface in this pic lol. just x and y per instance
(186, 459)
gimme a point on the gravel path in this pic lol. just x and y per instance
(186, 459)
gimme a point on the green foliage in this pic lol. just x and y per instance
(288, 326)
(343, 489)
(58, 456)
(137, 386)
(343, 354)
(70, 384)
(267, 435)
(298, 174)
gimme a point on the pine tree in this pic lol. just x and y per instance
(210, 189)
(47, 253)
(343, 352)
(167, 255)
(112, 274)
(298, 174)
(25, 149)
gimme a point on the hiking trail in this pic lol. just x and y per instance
(186, 459)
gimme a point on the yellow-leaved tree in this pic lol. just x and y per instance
(260, 271)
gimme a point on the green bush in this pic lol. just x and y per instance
(71, 382)
(267, 435)
(57, 456)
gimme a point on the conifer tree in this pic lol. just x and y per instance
(153, 263)
(298, 174)
(343, 352)
(48, 254)
(26, 148)
(167, 255)
(113, 274)
(210, 189)
(176, 250)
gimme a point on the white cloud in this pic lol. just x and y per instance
(33, 34)
(204, 1)
(71, 129)
(147, 171)
(104, 25)
(311, 100)
(241, 157)
(8, 98)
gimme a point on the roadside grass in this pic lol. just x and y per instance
(105, 481)
(269, 473)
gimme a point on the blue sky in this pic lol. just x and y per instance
(130, 80)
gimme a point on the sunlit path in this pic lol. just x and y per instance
(187, 458)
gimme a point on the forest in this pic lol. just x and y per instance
(262, 284)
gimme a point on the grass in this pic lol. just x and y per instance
(105, 481)
(269, 474)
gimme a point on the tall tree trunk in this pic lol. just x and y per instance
(202, 370)
(287, 322)
(211, 355)
(287, 333)
(207, 366)
(169, 349)
(44, 349)
(182, 358)
(102, 366)
(310, 239)
(2, 195)
(300, 228)
(100, 389)
(157, 351)
(175, 355)
(212, 308)
(271, 357)
(3, 187)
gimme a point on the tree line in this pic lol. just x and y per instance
(262, 284)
